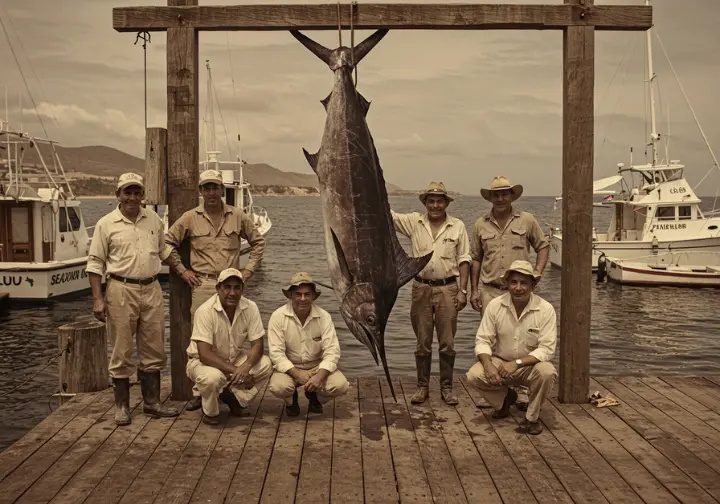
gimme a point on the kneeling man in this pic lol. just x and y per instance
(217, 363)
(304, 349)
(515, 345)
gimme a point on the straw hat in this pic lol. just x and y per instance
(435, 188)
(501, 183)
(522, 267)
(300, 279)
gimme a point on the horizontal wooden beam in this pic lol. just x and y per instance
(280, 17)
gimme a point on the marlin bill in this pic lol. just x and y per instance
(366, 262)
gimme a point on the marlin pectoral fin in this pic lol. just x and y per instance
(318, 50)
(408, 267)
(326, 100)
(312, 159)
(342, 261)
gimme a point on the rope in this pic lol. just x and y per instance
(66, 349)
(352, 40)
(339, 25)
(145, 37)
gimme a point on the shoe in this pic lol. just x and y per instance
(534, 428)
(510, 399)
(420, 396)
(150, 386)
(194, 404)
(447, 366)
(293, 410)
(314, 405)
(422, 364)
(236, 409)
(211, 420)
(121, 389)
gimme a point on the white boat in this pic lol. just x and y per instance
(237, 190)
(679, 269)
(654, 210)
(43, 238)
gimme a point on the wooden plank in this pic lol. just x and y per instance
(282, 17)
(444, 482)
(605, 478)
(706, 383)
(35, 466)
(346, 481)
(23, 448)
(55, 477)
(97, 466)
(691, 405)
(577, 214)
(674, 479)
(249, 477)
(705, 477)
(219, 470)
(701, 395)
(639, 478)
(702, 444)
(156, 166)
(282, 474)
(378, 472)
(505, 474)
(715, 380)
(407, 459)
(313, 484)
(182, 183)
(469, 465)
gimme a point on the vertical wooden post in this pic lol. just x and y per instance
(183, 178)
(577, 178)
(84, 365)
(156, 166)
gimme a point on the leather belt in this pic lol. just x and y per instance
(442, 281)
(144, 281)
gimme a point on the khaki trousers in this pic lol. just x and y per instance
(283, 385)
(135, 310)
(540, 379)
(434, 307)
(201, 294)
(210, 382)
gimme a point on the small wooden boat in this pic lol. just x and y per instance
(680, 269)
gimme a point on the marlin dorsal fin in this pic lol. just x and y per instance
(342, 261)
(326, 100)
(364, 104)
(312, 159)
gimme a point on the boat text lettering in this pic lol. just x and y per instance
(671, 226)
(677, 190)
(11, 280)
(69, 276)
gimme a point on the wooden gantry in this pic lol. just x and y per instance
(577, 19)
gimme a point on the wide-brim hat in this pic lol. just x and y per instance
(210, 176)
(299, 279)
(435, 188)
(501, 183)
(522, 267)
(129, 179)
(227, 273)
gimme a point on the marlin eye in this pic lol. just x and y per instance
(370, 319)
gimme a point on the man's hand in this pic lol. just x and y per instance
(476, 301)
(99, 309)
(315, 383)
(507, 369)
(191, 278)
(492, 375)
(460, 301)
(247, 274)
(301, 376)
(241, 378)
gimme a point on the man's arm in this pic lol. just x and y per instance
(403, 222)
(173, 238)
(476, 254)
(97, 257)
(210, 358)
(276, 345)
(541, 245)
(255, 239)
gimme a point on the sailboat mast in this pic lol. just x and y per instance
(651, 78)
(211, 111)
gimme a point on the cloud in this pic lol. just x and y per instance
(111, 120)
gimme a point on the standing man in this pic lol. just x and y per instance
(304, 349)
(436, 296)
(128, 246)
(217, 362)
(215, 231)
(499, 238)
(514, 345)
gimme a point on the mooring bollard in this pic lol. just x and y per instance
(83, 367)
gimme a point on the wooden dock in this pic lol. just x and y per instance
(661, 445)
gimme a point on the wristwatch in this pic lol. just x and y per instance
(518, 362)
(464, 291)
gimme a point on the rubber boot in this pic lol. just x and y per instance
(422, 363)
(447, 365)
(121, 388)
(314, 405)
(150, 386)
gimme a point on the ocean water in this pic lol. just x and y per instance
(660, 330)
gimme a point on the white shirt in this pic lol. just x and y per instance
(503, 334)
(126, 248)
(291, 342)
(212, 325)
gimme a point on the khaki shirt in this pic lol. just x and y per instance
(497, 248)
(291, 342)
(451, 246)
(212, 325)
(211, 250)
(503, 334)
(126, 248)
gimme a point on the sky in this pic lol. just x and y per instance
(460, 107)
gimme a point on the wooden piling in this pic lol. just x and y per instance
(156, 166)
(83, 367)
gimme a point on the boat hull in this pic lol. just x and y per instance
(638, 273)
(28, 281)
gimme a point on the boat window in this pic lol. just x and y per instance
(73, 217)
(665, 213)
(685, 212)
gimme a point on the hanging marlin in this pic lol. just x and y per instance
(366, 261)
